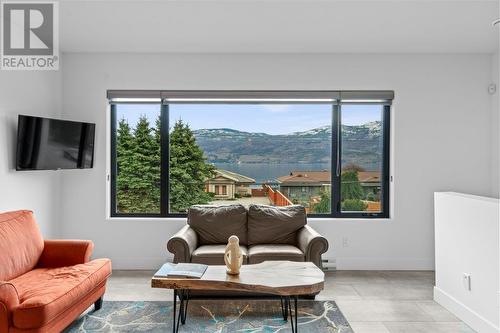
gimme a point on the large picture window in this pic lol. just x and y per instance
(171, 150)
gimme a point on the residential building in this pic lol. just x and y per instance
(229, 185)
(302, 185)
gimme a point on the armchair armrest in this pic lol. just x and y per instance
(182, 244)
(9, 300)
(60, 253)
(312, 244)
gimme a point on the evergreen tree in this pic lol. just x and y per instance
(145, 178)
(157, 162)
(323, 206)
(352, 192)
(138, 157)
(188, 170)
(124, 145)
(351, 188)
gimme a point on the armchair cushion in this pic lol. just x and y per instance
(312, 244)
(275, 225)
(45, 293)
(21, 243)
(182, 244)
(59, 253)
(215, 224)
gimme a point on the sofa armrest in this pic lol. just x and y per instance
(9, 300)
(182, 244)
(312, 244)
(60, 253)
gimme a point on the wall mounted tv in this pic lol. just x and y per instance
(52, 144)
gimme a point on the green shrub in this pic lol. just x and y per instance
(353, 205)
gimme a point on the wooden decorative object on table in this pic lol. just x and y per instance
(232, 256)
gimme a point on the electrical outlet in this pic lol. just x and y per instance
(329, 264)
(467, 282)
(492, 89)
(345, 242)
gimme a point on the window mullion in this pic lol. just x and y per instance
(336, 153)
(386, 124)
(114, 165)
(165, 186)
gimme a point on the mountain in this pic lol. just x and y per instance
(360, 145)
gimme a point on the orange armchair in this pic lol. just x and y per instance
(45, 284)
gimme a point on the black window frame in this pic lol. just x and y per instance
(336, 153)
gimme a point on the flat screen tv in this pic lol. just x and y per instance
(52, 144)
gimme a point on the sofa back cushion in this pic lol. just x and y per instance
(215, 224)
(275, 225)
(21, 243)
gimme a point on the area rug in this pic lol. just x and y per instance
(217, 316)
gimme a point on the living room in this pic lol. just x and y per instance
(417, 250)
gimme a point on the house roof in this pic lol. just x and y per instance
(369, 176)
(306, 177)
(236, 177)
(323, 177)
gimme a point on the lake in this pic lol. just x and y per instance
(265, 172)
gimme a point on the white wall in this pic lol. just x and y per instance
(32, 93)
(495, 124)
(467, 238)
(441, 127)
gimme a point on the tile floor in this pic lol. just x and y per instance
(372, 301)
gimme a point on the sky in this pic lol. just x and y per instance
(263, 118)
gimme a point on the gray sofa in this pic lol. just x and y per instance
(265, 233)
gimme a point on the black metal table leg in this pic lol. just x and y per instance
(180, 318)
(184, 306)
(296, 300)
(284, 308)
(175, 305)
(293, 316)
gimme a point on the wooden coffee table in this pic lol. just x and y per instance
(286, 280)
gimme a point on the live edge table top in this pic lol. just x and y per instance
(283, 278)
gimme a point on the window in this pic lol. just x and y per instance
(327, 151)
(220, 190)
(362, 162)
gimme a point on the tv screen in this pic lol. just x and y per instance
(51, 144)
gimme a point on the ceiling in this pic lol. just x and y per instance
(280, 26)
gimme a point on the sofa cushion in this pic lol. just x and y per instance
(266, 252)
(215, 224)
(275, 225)
(214, 254)
(21, 243)
(45, 293)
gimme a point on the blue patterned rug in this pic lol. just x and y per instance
(217, 316)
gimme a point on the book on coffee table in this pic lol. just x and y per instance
(183, 270)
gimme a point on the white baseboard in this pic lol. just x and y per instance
(345, 263)
(464, 313)
(139, 263)
(384, 264)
